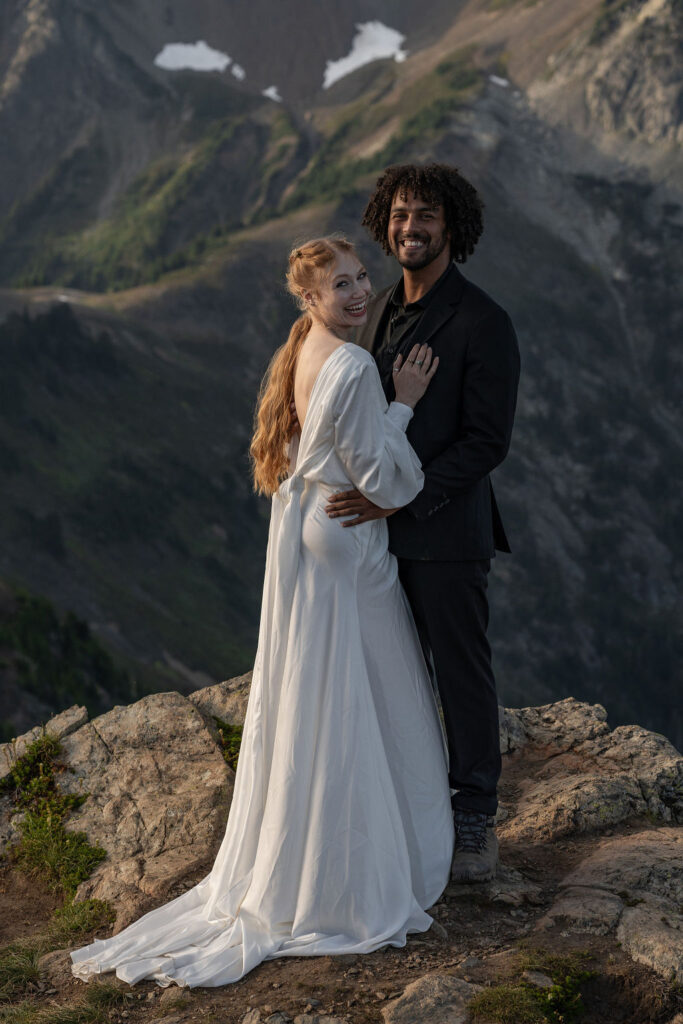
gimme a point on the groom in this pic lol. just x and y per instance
(429, 219)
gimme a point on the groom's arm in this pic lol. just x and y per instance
(489, 397)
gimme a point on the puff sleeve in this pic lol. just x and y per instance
(371, 442)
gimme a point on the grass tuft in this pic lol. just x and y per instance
(94, 1007)
(19, 960)
(73, 919)
(521, 1003)
(231, 737)
(18, 968)
(507, 1004)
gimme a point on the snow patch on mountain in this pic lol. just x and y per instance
(272, 93)
(195, 56)
(373, 41)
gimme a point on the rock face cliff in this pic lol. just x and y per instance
(151, 211)
(591, 859)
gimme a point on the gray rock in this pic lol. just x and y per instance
(652, 933)
(537, 979)
(559, 726)
(159, 798)
(318, 1018)
(55, 967)
(59, 726)
(632, 887)
(437, 998)
(226, 700)
(593, 780)
(251, 1017)
(511, 730)
(644, 863)
(175, 997)
(585, 911)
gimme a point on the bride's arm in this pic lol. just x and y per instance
(371, 443)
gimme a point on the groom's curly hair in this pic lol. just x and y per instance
(434, 183)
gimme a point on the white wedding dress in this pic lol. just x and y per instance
(340, 831)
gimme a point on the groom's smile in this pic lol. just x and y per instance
(417, 231)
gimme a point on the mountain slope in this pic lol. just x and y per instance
(126, 415)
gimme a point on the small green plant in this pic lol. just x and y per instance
(46, 847)
(231, 737)
(522, 1003)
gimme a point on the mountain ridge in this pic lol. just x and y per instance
(582, 246)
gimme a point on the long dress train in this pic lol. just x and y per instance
(340, 831)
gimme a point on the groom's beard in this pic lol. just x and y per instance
(412, 261)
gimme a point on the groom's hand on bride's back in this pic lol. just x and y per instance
(353, 503)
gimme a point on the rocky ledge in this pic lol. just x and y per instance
(590, 848)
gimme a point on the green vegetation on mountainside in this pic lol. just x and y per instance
(419, 113)
(232, 172)
(171, 214)
(218, 165)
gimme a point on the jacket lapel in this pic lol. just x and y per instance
(368, 335)
(441, 308)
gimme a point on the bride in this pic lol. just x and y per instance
(340, 830)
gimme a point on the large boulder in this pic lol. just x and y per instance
(227, 700)
(632, 887)
(159, 794)
(580, 776)
(437, 998)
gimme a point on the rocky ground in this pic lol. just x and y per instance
(591, 873)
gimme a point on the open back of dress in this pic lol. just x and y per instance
(340, 830)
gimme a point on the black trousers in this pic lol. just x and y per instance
(451, 611)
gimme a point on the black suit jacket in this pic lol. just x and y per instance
(462, 426)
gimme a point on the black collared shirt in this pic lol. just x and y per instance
(401, 324)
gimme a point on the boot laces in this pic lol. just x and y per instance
(470, 832)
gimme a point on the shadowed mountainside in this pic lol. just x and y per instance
(126, 414)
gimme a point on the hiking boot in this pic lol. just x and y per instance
(475, 856)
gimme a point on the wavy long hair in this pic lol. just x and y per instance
(309, 265)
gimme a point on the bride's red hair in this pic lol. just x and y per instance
(309, 265)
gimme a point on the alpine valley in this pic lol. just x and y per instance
(158, 159)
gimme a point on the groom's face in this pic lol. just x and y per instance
(417, 231)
